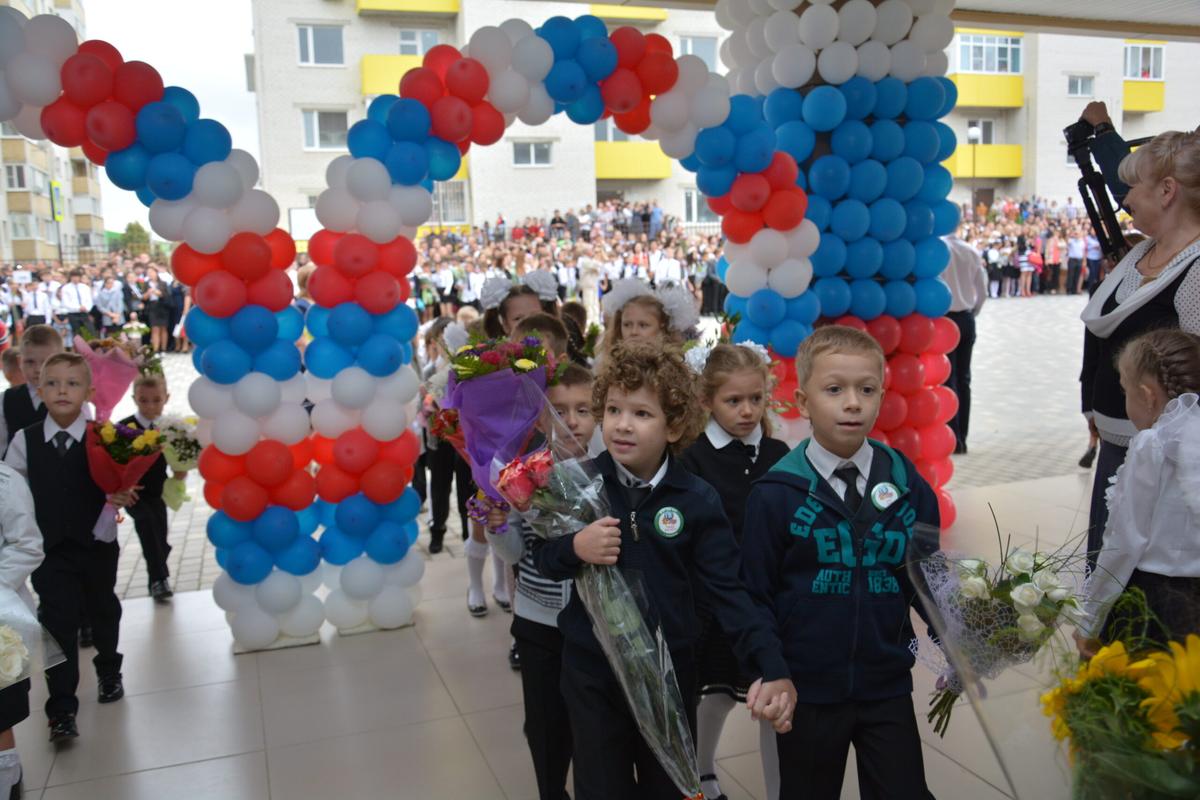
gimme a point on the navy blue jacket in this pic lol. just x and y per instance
(667, 552)
(834, 587)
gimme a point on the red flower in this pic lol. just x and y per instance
(517, 485)
(540, 465)
(492, 357)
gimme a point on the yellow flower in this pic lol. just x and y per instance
(1110, 660)
(192, 420)
(524, 363)
(139, 443)
(151, 437)
(108, 434)
(463, 349)
(1169, 679)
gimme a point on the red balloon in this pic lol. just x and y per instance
(630, 44)
(908, 375)
(945, 335)
(302, 453)
(783, 171)
(922, 408)
(740, 226)
(720, 205)
(189, 267)
(637, 120)
(880, 437)
(467, 79)
(937, 442)
(247, 255)
(322, 449)
(330, 287)
(384, 482)
(906, 440)
(785, 209)
(403, 450)
(848, 321)
(451, 119)
(440, 58)
(657, 43)
(110, 125)
(334, 484)
(378, 292)
(947, 403)
(104, 51)
(487, 124)
(946, 510)
(269, 462)
(356, 255)
(422, 84)
(893, 410)
(320, 247)
(86, 79)
(916, 334)
(219, 294)
(136, 83)
(397, 257)
(887, 376)
(886, 331)
(65, 123)
(929, 471)
(622, 91)
(283, 248)
(657, 71)
(297, 492)
(273, 290)
(244, 499)
(212, 494)
(97, 155)
(219, 467)
(750, 192)
(355, 450)
(465, 144)
(937, 368)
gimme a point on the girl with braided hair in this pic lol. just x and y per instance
(1152, 539)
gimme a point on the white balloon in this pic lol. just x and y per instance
(415, 595)
(294, 389)
(782, 29)
(337, 210)
(681, 143)
(332, 420)
(12, 36)
(932, 32)
(208, 398)
(920, 6)
(379, 221)
(391, 608)
(791, 278)
(803, 240)
(742, 12)
(533, 58)
(204, 432)
(353, 387)
(764, 76)
(509, 91)
(516, 29)
(724, 16)
(491, 47)
(254, 628)
(670, 111)
(735, 253)
(28, 122)
(257, 395)
(740, 48)
(335, 173)
(229, 595)
(784, 5)
(288, 424)
(10, 106)
(278, 593)
(768, 248)
(33, 78)
(756, 37)
(818, 26)
(746, 84)
(246, 166)
(167, 217)
(540, 106)
(345, 613)
(710, 105)
(693, 74)
(837, 63)
(936, 63)
(217, 185)
(725, 53)
(52, 36)
(400, 387)
(257, 212)
(318, 388)
(893, 18)
(793, 66)
(856, 21)
(874, 60)
(368, 179)
(331, 575)
(908, 61)
(942, 7)
(414, 203)
(383, 420)
(207, 230)
(761, 8)
(362, 578)
(303, 620)
(744, 279)
(235, 433)
(409, 570)
(311, 582)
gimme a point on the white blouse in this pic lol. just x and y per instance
(1153, 510)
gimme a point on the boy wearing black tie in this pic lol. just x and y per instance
(150, 512)
(21, 405)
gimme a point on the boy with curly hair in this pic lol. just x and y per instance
(668, 529)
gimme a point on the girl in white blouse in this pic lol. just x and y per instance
(1152, 540)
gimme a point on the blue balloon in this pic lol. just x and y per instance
(901, 299)
(691, 163)
(598, 57)
(248, 563)
(766, 308)
(406, 353)
(184, 101)
(782, 105)
(357, 516)
(890, 97)
(747, 331)
(444, 159)
(787, 335)
(904, 178)
(145, 196)
(380, 355)
(860, 97)
(829, 176)
(412, 532)
(300, 557)
(852, 141)
(932, 257)
(850, 220)
(408, 120)
(388, 543)
(170, 176)
(224, 531)
(933, 297)
(951, 90)
(349, 324)
(824, 108)
(745, 113)
(281, 360)
(325, 358)
(867, 299)
(588, 108)
(562, 35)
(399, 323)
(936, 184)
(309, 519)
(819, 211)
(160, 127)
(887, 140)
(716, 181)
(291, 324)
(921, 141)
(722, 268)
(326, 512)
(380, 107)
(947, 141)
(276, 528)
(920, 220)
(804, 308)
(224, 362)
(254, 328)
(407, 162)
(590, 27)
(796, 139)
(829, 257)
(735, 304)
(127, 168)
(715, 147)
(204, 329)
(887, 219)
(864, 258)
(566, 81)
(802, 180)
(405, 508)
(369, 139)
(206, 140)
(222, 556)
(946, 216)
(899, 256)
(925, 99)
(834, 294)
(198, 358)
(867, 180)
(339, 548)
(755, 149)
(317, 321)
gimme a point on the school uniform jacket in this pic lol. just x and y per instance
(835, 587)
(730, 471)
(66, 501)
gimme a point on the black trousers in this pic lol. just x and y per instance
(78, 321)
(1073, 267)
(1108, 461)
(887, 748)
(445, 464)
(14, 704)
(547, 725)
(150, 522)
(418, 481)
(74, 576)
(960, 372)
(35, 319)
(608, 745)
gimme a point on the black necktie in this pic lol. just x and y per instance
(849, 476)
(62, 441)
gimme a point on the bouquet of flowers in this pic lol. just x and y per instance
(23, 640)
(114, 364)
(444, 425)
(118, 455)
(181, 450)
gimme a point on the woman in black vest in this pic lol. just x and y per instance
(1154, 286)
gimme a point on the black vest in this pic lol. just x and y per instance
(152, 482)
(66, 501)
(19, 411)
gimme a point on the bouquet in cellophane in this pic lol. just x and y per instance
(25, 646)
(547, 476)
(114, 363)
(181, 450)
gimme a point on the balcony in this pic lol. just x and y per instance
(381, 74)
(638, 15)
(85, 187)
(89, 222)
(1144, 96)
(638, 161)
(26, 202)
(33, 250)
(986, 161)
(985, 90)
(424, 8)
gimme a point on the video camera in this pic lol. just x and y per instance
(1096, 199)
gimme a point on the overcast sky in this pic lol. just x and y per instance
(200, 46)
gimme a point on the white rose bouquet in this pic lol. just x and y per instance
(181, 449)
(23, 640)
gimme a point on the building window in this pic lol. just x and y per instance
(531, 154)
(14, 176)
(79, 169)
(321, 45)
(324, 130)
(695, 208)
(999, 54)
(41, 181)
(417, 42)
(22, 226)
(8, 131)
(449, 203)
(606, 131)
(987, 131)
(1081, 86)
(1144, 62)
(703, 46)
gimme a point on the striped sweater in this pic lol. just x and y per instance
(539, 599)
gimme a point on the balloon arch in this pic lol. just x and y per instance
(820, 151)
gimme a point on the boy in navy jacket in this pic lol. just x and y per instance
(823, 552)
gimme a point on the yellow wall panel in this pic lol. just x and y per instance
(989, 91)
(631, 161)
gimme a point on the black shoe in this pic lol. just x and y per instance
(505, 605)
(85, 636)
(111, 689)
(1088, 458)
(476, 611)
(161, 590)
(960, 449)
(514, 658)
(63, 728)
(435, 542)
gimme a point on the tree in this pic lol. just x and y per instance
(136, 239)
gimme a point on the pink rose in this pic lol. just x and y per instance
(540, 465)
(492, 357)
(516, 485)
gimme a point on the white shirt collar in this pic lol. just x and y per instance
(76, 429)
(34, 396)
(826, 462)
(631, 481)
(142, 422)
(720, 438)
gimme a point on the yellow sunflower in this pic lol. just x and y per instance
(108, 434)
